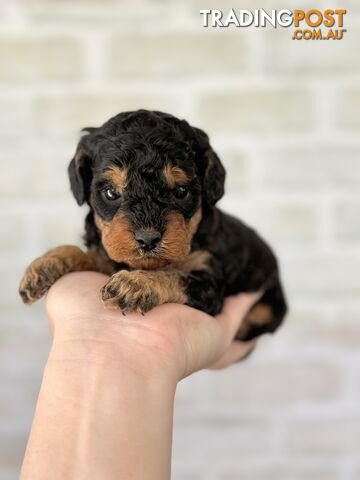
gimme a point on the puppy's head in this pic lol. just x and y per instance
(148, 177)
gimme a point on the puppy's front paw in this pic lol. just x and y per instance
(130, 292)
(39, 276)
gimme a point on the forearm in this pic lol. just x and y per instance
(98, 417)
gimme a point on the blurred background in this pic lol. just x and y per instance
(284, 116)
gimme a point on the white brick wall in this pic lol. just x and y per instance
(284, 117)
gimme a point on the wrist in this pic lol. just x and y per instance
(100, 363)
(94, 399)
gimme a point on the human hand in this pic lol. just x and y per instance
(171, 339)
(110, 380)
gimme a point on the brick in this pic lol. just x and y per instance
(9, 474)
(17, 401)
(12, 448)
(315, 58)
(355, 383)
(63, 116)
(257, 110)
(328, 436)
(311, 168)
(303, 312)
(291, 224)
(25, 368)
(348, 313)
(177, 55)
(281, 222)
(225, 5)
(85, 15)
(12, 233)
(346, 221)
(43, 173)
(187, 475)
(62, 227)
(18, 322)
(9, 295)
(319, 274)
(280, 472)
(352, 6)
(185, 394)
(236, 164)
(15, 121)
(347, 113)
(338, 335)
(222, 443)
(303, 382)
(25, 59)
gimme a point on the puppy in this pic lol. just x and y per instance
(151, 182)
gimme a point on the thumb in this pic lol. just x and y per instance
(234, 311)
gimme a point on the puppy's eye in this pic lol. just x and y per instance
(180, 192)
(109, 194)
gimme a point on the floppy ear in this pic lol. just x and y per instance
(213, 170)
(214, 178)
(80, 175)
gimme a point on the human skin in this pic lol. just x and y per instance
(105, 408)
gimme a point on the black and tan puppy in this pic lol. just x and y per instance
(152, 182)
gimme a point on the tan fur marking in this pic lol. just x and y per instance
(175, 176)
(117, 237)
(141, 290)
(99, 222)
(117, 177)
(196, 261)
(79, 155)
(194, 222)
(147, 263)
(178, 235)
(175, 241)
(259, 315)
(45, 270)
(118, 241)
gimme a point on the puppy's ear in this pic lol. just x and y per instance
(214, 178)
(80, 175)
(213, 170)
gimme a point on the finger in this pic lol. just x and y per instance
(235, 309)
(236, 352)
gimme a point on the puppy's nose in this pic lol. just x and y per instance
(147, 239)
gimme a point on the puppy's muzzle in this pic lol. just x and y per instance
(147, 239)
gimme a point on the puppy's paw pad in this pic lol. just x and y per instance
(38, 278)
(109, 291)
(25, 295)
(129, 292)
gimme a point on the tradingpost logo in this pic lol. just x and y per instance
(307, 24)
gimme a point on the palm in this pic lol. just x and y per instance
(171, 336)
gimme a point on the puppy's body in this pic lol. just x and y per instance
(245, 264)
(152, 182)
